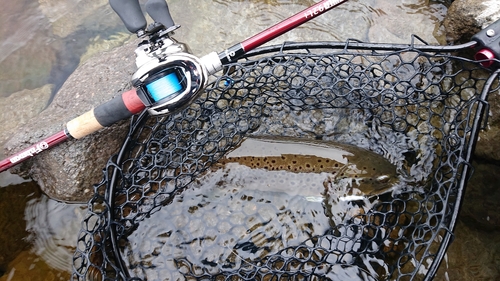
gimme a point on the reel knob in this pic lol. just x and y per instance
(131, 14)
(486, 57)
(158, 10)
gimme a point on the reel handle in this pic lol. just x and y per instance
(130, 13)
(158, 10)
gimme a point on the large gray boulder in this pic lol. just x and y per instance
(68, 171)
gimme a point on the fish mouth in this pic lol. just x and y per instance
(372, 186)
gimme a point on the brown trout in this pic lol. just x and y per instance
(370, 173)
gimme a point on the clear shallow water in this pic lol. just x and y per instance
(271, 194)
(41, 42)
(38, 234)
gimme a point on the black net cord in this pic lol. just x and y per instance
(467, 169)
(405, 93)
(354, 44)
(110, 198)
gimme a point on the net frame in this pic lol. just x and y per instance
(119, 195)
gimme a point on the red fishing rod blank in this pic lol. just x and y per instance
(130, 103)
(236, 51)
(121, 107)
(33, 150)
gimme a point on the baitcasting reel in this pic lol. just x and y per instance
(168, 76)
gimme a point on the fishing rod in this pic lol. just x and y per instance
(168, 78)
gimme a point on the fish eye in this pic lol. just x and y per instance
(383, 179)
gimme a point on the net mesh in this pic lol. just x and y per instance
(164, 211)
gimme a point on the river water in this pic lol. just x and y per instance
(42, 42)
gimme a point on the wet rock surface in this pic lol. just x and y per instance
(467, 17)
(68, 171)
(17, 109)
(19, 42)
(42, 41)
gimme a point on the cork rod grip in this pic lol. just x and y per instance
(83, 125)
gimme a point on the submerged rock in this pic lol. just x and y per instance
(473, 255)
(26, 55)
(27, 265)
(12, 237)
(65, 16)
(481, 195)
(68, 171)
(389, 28)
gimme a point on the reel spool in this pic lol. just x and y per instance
(167, 85)
(168, 77)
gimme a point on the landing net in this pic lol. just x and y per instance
(160, 214)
